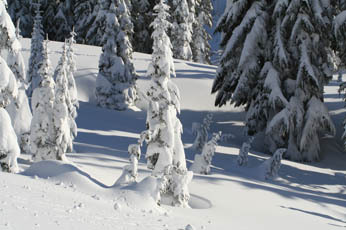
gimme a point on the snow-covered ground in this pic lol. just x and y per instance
(81, 195)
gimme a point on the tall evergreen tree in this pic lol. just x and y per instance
(36, 52)
(97, 29)
(124, 50)
(9, 148)
(62, 23)
(142, 17)
(49, 11)
(42, 135)
(63, 137)
(83, 17)
(113, 89)
(18, 107)
(181, 32)
(165, 152)
(200, 45)
(339, 29)
(22, 10)
(277, 66)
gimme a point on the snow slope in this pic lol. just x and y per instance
(81, 195)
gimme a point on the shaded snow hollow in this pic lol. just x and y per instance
(81, 195)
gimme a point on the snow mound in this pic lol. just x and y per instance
(198, 202)
(64, 174)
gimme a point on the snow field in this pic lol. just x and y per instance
(81, 195)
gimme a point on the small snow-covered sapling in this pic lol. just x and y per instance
(201, 132)
(272, 165)
(130, 172)
(243, 152)
(203, 161)
(135, 154)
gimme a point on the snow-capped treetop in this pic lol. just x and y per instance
(36, 51)
(8, 29)
(71, 68)
(162, 60)
(124, 17)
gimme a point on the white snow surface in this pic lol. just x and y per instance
(80, 194)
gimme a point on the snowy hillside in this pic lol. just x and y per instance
(81, 195)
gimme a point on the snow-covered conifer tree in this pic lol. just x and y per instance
(49, 10)
(84, 14)
(277, 66)
(61, 24)
(124, 49)
(201, 132)
(114, 83)
(20, 113)
(124, 18)
(36, 52)
(71, 68)
(42, 136)
(200, 45)
(21, 10)
(130, 172)
(9, 148)
(242, 158)
(61, 116)
(142, 18)
(98, 27)
(304, 64)
(18, 108)
(11, 47)
(203, 161)
(339, 29)
(165, 154)
(272, 165)
(181, 34)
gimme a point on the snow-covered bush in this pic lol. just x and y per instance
(242, 158)
(271, 166)
(42, 137)
(201, 132)
(203, 161)
(165, 153)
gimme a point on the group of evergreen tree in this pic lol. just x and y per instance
(188, 18)
(276, 60)
(47, 132)
(54, 104)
